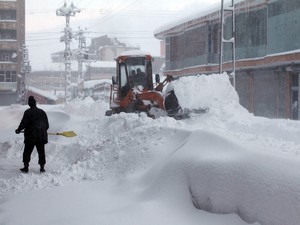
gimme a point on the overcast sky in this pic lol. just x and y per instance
(131, 21)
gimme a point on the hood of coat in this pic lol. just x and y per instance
(31, 102)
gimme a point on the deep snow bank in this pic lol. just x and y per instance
(214, 91)
(223, 175)
(224, 161)
(104, 148)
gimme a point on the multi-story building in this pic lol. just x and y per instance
(104, 48)
(267, 52)
(12, 36)
(99, 58)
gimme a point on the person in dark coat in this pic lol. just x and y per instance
(35, 124)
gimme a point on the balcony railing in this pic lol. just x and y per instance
(8, 86)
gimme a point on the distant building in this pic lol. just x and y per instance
(100, 70)
(99, 58)
(104, 48)
(12, 36)
(108, 49)
(267, 52)
(50, 78)
(101, 48)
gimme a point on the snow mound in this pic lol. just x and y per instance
(204, 91)
(226, 176)
(86, 108)
(225, 166)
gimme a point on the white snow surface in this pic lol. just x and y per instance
(223, 167)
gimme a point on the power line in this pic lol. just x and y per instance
(39, 11)
(91, 37)
(42, 39)
(55, 35)
(155, 12)
(108, 17)
(78, 3)
(48, 32)
(120, 12)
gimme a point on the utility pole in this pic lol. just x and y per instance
(80, 57)
(67, 11)
(25, 70)
(230, 9)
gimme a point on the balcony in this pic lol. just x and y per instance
(8, 86)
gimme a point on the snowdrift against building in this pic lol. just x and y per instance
(222, 167)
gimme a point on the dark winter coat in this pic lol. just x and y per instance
(171, 103)
(35, 122)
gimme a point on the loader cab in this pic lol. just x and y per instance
(134, 71)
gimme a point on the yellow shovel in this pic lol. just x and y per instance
(65, 133)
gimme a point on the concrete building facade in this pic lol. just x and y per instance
(12, 36)
(267, 47)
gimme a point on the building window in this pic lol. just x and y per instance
(8, 15)
(8, 35)
(8, 76)
(7, 56)
(251, 33)
(2, 76)
(14, 76)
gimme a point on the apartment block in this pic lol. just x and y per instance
(12, 36)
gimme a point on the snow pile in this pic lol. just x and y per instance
(225, 176)
(86, 108)
(222, 167)
(214, 92)
(203, 90)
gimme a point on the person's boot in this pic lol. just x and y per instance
(25, 168)
(42, 169)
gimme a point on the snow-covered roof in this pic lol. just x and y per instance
(175, 23)
(134, 53)
(74, 65)
(46, 94)
(109, 64)
(92, 83)
(52, 66)
(203, 13)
